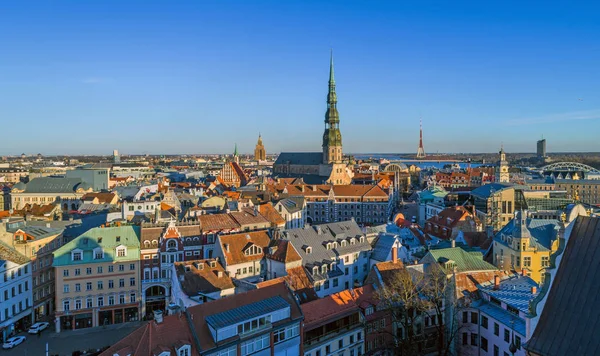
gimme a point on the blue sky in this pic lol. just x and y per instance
(199, 76)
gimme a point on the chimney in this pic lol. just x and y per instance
(219, 274)
(226, 247)
(524, 272)
(314, 188)
(533, 290)
(158, 316)
(48, 225)
(394, 254)
(453, 243)
(496, 282)
(302, 188)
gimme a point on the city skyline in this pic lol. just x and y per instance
(190, 78)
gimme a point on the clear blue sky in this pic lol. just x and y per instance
(198, 76)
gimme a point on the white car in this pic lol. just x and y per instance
(13, 341)
(37, 327)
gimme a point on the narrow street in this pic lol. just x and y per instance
(65, 343)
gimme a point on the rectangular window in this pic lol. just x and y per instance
(77, 287)
(77, 271)
(518, 342)
(89, 303)
(496, 350)
(465, 317)
(484, 322)
(474, 339)
(100, 270)
(506, 335)
(465, 338)
(132, 266)
(526, 261)
(132, 281)
(88, 286)
(132, 298)
(122, 299)
(484, 344)
(88, 270)
(111, 268)
(121, 268)
(111, 284)
(65, 274)
(66, 288)
(335, 282)
(474, 318)
(111, 300)
(100, 301)
(496, 329)
(121, 282)
(100, 286)
(545, 261)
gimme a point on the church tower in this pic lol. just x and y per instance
(259, 151)
(502, 175)
(332, 138)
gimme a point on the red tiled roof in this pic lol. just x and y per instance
(284, 252)
(199, 276)
(268, 211)
(238, 243)
(333, 306)
(144, 341)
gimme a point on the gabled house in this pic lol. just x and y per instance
(243, 254)
(200, 281)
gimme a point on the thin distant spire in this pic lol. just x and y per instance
(331, 74)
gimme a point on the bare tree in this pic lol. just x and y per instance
(411, 295)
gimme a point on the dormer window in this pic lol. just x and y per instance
(343, 243)
(77, 255)
(121, 251)
(171, 244)
(253, 250)
(308, 250)
(118, 238)
(98, 253)
(362, 239)
(324, 269)
(369, 310)
(315, 270)
(184, 350)
(99, 240)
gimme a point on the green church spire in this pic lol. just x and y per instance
(332, 138)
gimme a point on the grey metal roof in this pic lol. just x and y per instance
(247, 312)
(52, 185)
(306, 178)
(505, 317)
(486, 190)
(40, 232)
(514, 291)
(542, 232)
(383, 246)
(300, 158)
(292, 204)
(317, 237)
(568, 324)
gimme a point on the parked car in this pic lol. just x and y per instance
(38, 327)
(13, 341)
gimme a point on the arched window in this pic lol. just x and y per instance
(154, 243)
(146, 244)
(171, 244)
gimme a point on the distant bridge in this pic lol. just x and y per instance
(569, 167)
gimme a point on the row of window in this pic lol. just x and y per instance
(15, 309)
(16, 290)
(100, 285)
(248, 270)
(89, 302)
(19, 271)
(43, 292)
(483, 343)
(357, 351)
(99, 270)
(43, 278)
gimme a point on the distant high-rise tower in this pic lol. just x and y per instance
(541, 148)
(332, 137)
(420, 150)
(259, 152)
(116, 157)
(502, 175)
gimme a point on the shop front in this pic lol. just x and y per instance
(76, 322)
(118, 316)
